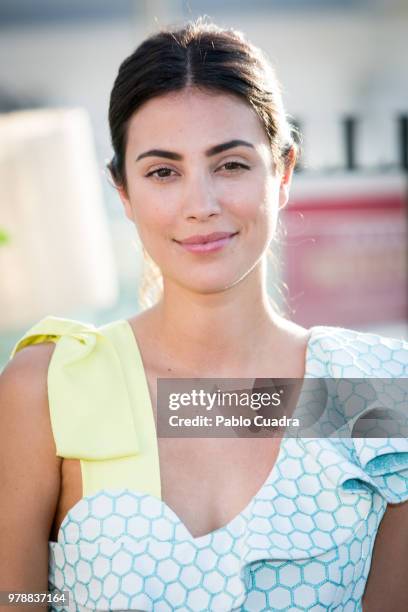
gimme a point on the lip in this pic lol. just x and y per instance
(213, 242)
(203, 239)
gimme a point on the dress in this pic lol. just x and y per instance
(304, 541)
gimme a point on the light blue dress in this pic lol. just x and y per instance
(304, 542)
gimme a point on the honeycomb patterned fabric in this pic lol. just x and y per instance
(303, 542)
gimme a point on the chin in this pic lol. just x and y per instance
(211, 289)
(208, 286)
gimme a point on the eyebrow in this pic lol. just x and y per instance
(209, 153)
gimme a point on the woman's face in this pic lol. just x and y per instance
(199, 163)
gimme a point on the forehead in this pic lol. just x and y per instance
(194, 119)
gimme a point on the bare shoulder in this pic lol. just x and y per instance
(144, 323)
(30, 474)
(28, 366)
(24, 411)
(386, 587)
(292, 344)
(293, 331)
(23, 392)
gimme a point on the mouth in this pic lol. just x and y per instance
(209, 246)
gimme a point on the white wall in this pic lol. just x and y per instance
(330, 64)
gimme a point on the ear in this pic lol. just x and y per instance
(125, 201)
(286, 179)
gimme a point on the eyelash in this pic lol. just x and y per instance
(163, 178)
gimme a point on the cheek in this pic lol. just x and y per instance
(152, 213)
(270, 201)
(152, 227)
(258, 202)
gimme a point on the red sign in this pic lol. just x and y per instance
(346, 252)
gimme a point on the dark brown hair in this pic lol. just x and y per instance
(205, 56)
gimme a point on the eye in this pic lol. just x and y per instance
(234, 166)
(161, 173)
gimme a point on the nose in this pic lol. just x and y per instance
(200, 199)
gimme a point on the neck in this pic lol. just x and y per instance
(217, 333)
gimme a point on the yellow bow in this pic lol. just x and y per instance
(90, 409)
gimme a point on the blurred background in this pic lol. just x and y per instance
(66, 248)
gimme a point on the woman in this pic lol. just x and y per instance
(203, 160)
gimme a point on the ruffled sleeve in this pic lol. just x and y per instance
(382, 465)
(86, 387)
(370, 382)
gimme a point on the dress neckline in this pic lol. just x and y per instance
(133, 343)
